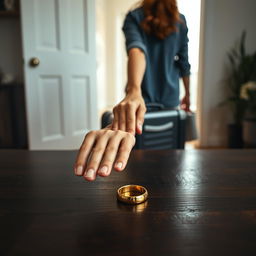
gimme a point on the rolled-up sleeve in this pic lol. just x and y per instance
(183, 62)
(133, 34)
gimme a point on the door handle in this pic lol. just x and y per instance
(34, 62)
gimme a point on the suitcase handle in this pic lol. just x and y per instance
(158, 128)
(154, 106)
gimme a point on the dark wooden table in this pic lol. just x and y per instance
(200, 203)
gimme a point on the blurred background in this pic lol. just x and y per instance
(63, 63)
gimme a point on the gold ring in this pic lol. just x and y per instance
(132, 194)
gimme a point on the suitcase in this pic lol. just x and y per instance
(162, 128)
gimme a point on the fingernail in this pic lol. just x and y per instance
(90, 174)
(79, 170)
(119, 165)
(140, 126)
(103, 170)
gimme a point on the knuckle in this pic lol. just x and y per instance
(122, 121)
(82, 147)
(119, 109)
(119, 133)
(130, 130)
(130, 119)
(111, 148)
(97, 150)
(109, 132)
(115, 127)
(141, 120)
(123, 149)
(129, 105)
(100, 132)
(131, 138)
(104, 132)
(93, 165)
(90, 134)
(108, 162)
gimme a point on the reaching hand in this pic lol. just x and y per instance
(101, 150)
(129, 114)
(185, 103)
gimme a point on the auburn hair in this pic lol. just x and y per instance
(161, 17)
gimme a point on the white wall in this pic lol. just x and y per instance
(101, 52)
(224, 21)
(191, 10)
(10, 47)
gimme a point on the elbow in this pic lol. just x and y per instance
(136, 51)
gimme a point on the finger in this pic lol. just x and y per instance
(187, 105)
(95, 157)
(115, 120)
(140, 118)
(83, 153)
(130, 118)
(110, 154)
(122, 118)
(124, 151)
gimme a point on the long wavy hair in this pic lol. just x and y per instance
(161, 17)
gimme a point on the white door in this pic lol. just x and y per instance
(60, 90)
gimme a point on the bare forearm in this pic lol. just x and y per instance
(186, 83)
(136, 70)
(185, 102)
(129, 113)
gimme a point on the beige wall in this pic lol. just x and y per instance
(223, 23)
(111, 56)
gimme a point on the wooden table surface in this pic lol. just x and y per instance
(200, 203)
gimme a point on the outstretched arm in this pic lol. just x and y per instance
(129, 113)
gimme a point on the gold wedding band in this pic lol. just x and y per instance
(132, 194)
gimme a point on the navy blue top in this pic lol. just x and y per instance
(166, 60)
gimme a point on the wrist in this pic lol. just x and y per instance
(133, 90)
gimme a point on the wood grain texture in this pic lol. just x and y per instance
(200, 203)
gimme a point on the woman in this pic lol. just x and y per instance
(157, 47)
(156, 42)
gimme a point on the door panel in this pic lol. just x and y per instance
(47, 26)
(78, 26)
(80, 92)
(61, 90)
(51, 107)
